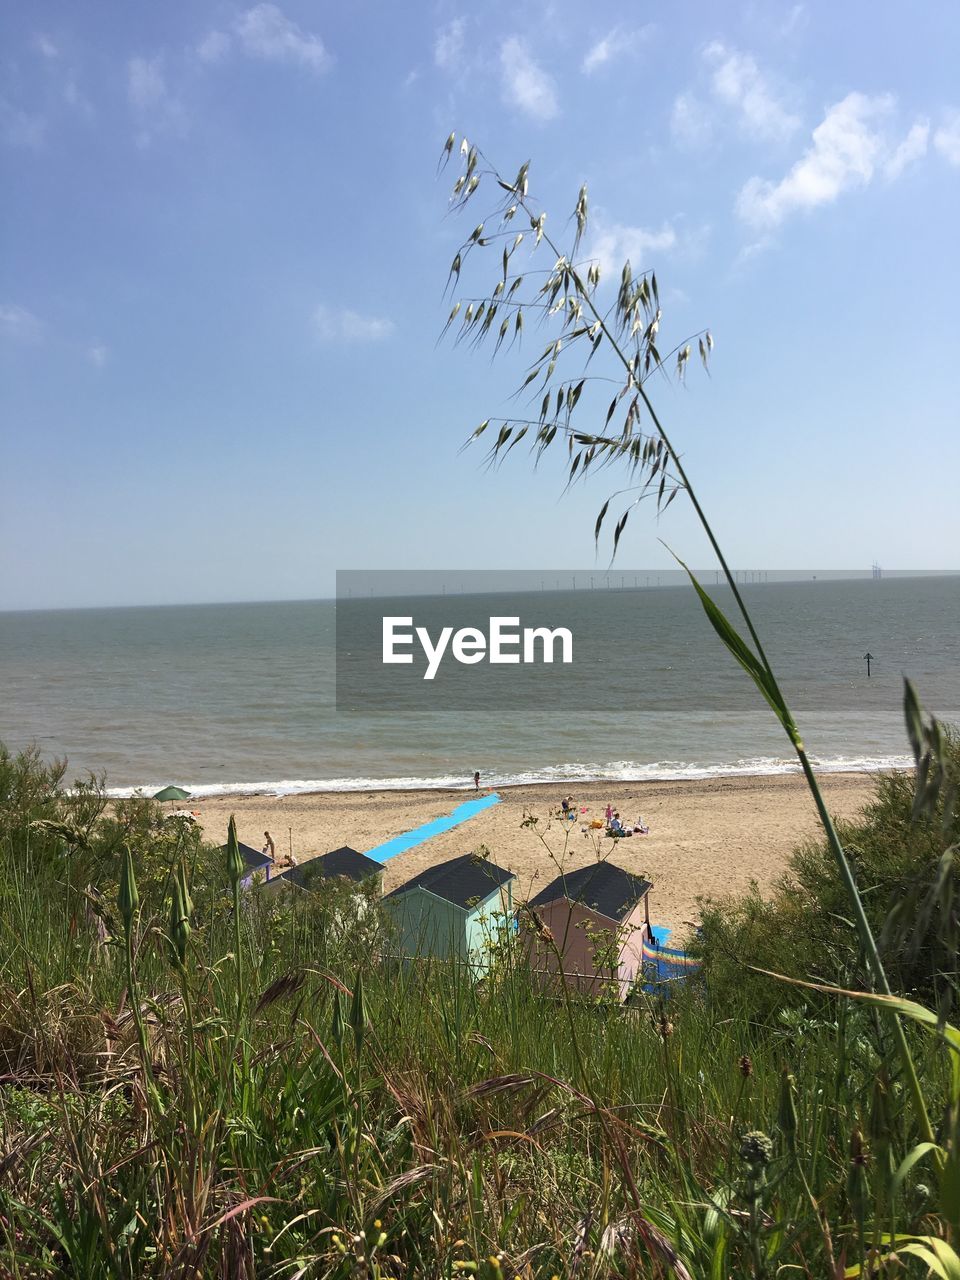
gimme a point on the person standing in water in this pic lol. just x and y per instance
(476, 781)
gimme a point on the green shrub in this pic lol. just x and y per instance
(910, 884)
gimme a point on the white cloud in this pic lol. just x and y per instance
(774, 22)
(266, 32)
(600, 53)
(614, 243)
(20, 128)
(525, 84)
(795, 20)
(750, 251)
(18, 323)
(98, 354)
(849, 147)
(145, 83)
(947, 138)
(448, 46)
(334, 325)
(616, 43)
(157, 110)
(913, 147)
(44, 45)
(214, 47)
(76, 100)
(63, 78)
(690, 121)
(739, 82)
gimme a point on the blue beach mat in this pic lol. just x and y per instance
(664, 965)
(446, 822)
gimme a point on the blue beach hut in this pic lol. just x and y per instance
(453, 910)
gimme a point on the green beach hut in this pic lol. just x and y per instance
(453, 911)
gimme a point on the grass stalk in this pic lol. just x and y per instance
(876, 968)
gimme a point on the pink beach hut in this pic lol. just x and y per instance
(598, 917)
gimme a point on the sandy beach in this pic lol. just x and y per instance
(707, 837)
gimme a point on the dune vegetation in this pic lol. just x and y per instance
(201, 1080)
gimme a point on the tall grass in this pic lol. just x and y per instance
(296, 1106)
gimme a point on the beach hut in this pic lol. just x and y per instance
(598, 916)
(453, 910)
(345, 863)
(255, 864)
(344, 887)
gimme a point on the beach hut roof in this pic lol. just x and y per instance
(601, 886)
(304, 877)
(348, 862)
(253, 859)
(462, 881)
(340, 862)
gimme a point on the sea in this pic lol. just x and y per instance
(242, 697)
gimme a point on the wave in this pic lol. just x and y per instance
(616, 771)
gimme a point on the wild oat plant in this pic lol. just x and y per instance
(599, 343)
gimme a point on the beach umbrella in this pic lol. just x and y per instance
(172, 793)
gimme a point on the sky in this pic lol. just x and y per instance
(224, 247)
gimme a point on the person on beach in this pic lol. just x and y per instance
(476, 781)
(608, 813)
(640, 829)
(270, 849)
(617, 830)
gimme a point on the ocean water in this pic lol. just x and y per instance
(222, 698)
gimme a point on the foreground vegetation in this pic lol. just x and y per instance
(187, 1090)
(906, 868)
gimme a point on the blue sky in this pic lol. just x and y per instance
(225, 247)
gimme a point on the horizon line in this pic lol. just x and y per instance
(679, 576)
